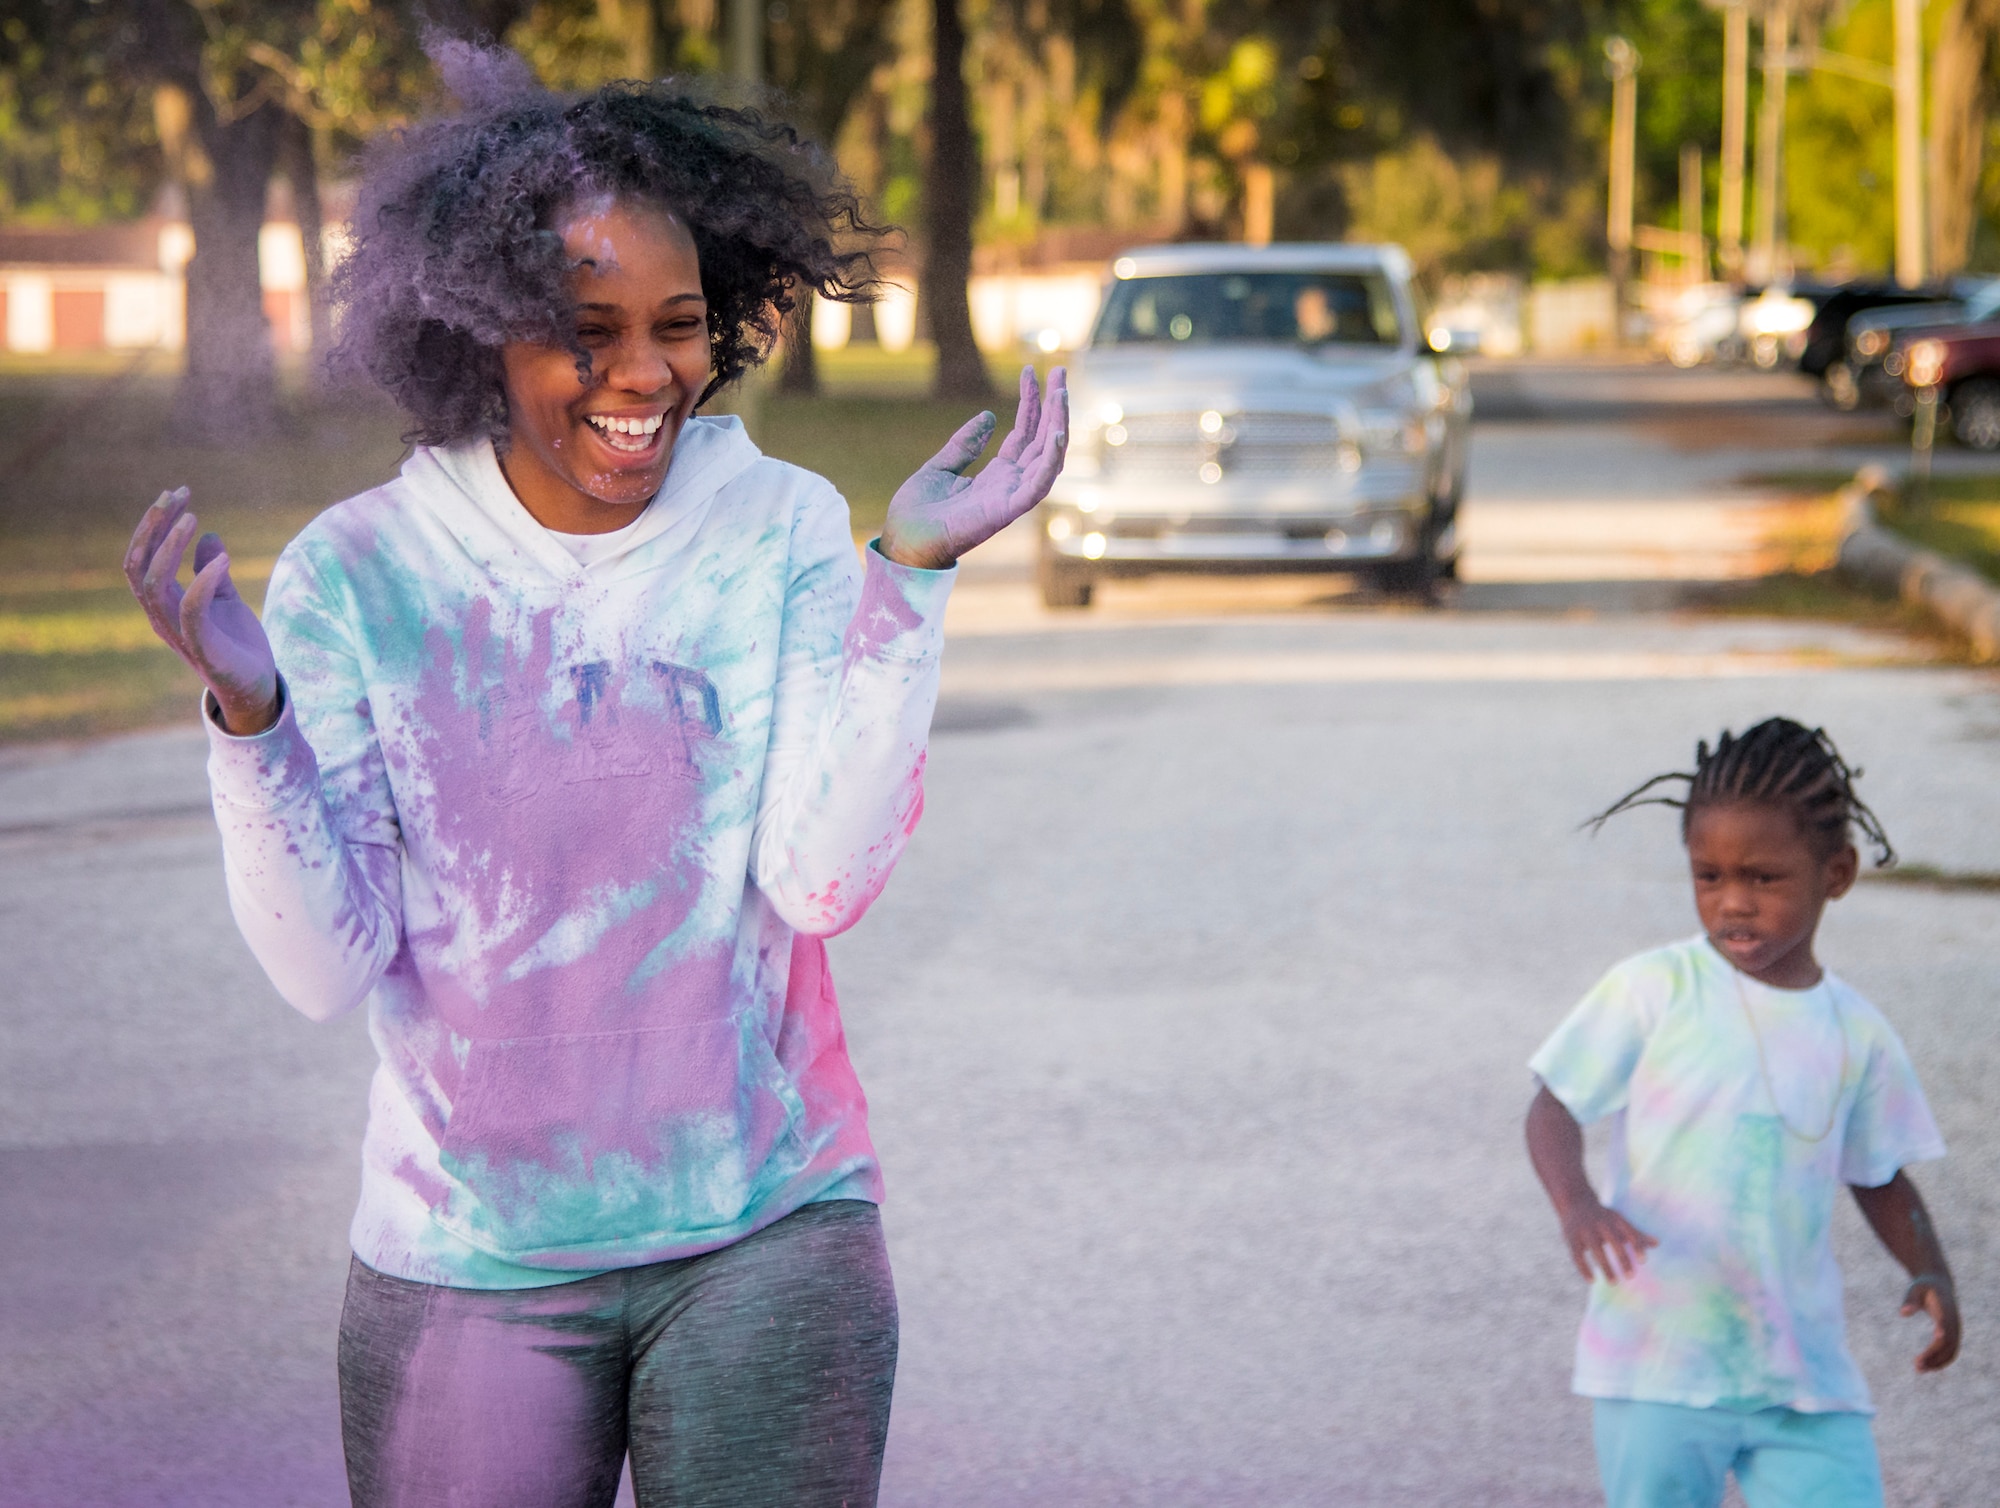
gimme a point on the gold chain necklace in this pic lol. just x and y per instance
(1764, 1065)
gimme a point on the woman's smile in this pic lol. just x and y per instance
(621, 444)
(626, 434)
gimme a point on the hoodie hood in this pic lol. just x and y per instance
(464, 485)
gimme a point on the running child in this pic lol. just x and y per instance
(566, 749)
(1744, 1084)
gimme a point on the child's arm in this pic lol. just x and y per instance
(1897, 1214)
(1593, 1232)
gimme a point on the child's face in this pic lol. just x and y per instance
(1760, 887)
(587, 456)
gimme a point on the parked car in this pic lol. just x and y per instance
(1870, 374)
(1701, 323)
(1960, 366)
(1774, 324)
(1259, 408)
(1826, 336)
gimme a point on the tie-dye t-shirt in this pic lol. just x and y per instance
(1735, 1171)
(574, 832)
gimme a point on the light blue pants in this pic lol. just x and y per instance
(1661, 1455)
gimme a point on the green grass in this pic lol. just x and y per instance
(1959, 517)
(1826, 595)
(86, 442)
(1810, 480)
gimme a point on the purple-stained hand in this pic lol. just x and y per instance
(939, 514)
(208, 625)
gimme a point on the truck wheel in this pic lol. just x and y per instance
(1064, 583)
(1416, 578)
(1975, 414)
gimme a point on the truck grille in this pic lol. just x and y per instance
(1269, 447)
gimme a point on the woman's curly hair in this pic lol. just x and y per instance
(456, 249)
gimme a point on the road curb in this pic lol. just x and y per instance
(1956, 595)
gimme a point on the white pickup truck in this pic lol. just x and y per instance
(1259, 408)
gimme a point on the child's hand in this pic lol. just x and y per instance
(208, 625)
(939, 514)
(1935, 1296)
(1601, 1235)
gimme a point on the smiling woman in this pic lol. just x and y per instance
(565, 751)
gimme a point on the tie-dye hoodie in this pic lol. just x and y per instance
(575, 835)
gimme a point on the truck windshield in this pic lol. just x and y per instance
(1310, 308)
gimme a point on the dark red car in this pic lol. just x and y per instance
(1962, 363)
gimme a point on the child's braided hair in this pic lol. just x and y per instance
(457, 251)
(1777, 763)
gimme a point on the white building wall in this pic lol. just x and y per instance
(832, 324)
(1578, 315)
(281, 259)
(1050, 310)
(143, 307)
(135, 308)
(896, 317)
(31, 312)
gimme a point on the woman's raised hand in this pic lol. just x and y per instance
(939, 514)
(209, 625)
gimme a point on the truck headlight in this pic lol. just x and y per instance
(1925, 366)
(1393, 434)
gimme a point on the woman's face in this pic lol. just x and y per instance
(588, 455)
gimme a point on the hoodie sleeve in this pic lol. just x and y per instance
(311, 847)
(850, 723)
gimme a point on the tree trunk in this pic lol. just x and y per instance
(951, 191)
(799, 376)
(1960, 99)
(301, 169)
(229, 387)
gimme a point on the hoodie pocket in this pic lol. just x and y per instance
(616, 1142)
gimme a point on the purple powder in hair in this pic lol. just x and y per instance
(457, 249)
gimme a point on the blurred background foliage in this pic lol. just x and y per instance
(1472, 132)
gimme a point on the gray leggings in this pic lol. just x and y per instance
(757, 1376)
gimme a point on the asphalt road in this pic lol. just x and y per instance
(1193, 1026)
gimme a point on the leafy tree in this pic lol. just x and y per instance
(221, 96)
(822, 54)
(1840, 153)
(1962, 84)
(222, 122)
(1680, 99)
(77, 143)
(951, 201)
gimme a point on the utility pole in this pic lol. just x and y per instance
(1621, 60)
(746, 68)
(1910, 269)
(1735, 107)
(1694, 257)
(1763, 262)
(746, 42)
